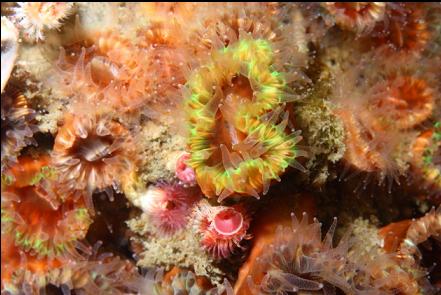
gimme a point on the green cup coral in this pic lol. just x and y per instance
(236, 105)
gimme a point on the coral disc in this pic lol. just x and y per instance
(238, 138)
(228, 222)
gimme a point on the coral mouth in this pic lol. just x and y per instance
(93, 149)
(228, 222)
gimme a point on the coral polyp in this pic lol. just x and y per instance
(90, 152)
(408, 102)
(17, 127)
(300, 260)
(21, 271)
(37, 17)
(222, 229)
(33, 216)
(237, 142)
(420, 231)
(284, 268)
(427, 158)
(184, 172)
(357, 16)
(168, 206)
(404, 29)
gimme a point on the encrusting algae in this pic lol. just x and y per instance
(220, 148)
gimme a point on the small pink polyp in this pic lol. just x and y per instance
(228, 222)
(184, 172)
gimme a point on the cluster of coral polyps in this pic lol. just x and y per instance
(204, 148)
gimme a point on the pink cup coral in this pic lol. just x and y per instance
(168, 206)
(221, 228)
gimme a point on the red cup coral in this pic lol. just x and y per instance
(221, 228)
(168, 206)
(237, 141)
(356, 16)
(90, 153)
(36, 17)
(33, 216)
(17, 127)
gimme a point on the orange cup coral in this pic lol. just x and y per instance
(33, 216)
(36, 17)
(356, 16)
(408, 102)
(90, 153)
(426, 159)
(238, 143)
(21, 271)
(404, 29)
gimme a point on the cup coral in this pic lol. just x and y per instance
(407, 102)
(239, 151)
(221, 228)
(168, 206)
(426, 159)
(299, 261)
(22, 272)
(404, 29)
(90, 152)
(36, 17)
(415, 242)
(33, 216)
(379, 116)
(107, 71)
(357, 16)
(420, 231)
